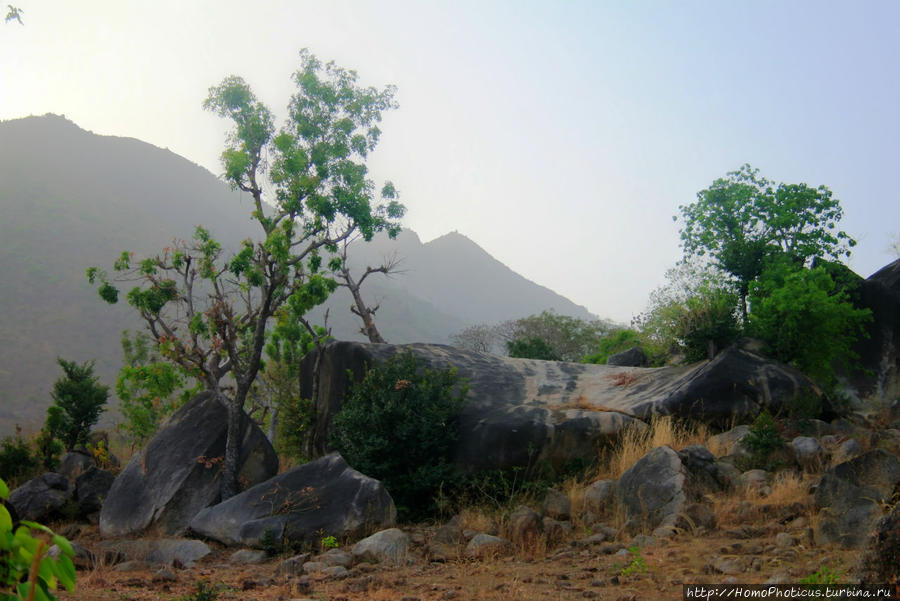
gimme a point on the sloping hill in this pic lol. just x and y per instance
(71, 199)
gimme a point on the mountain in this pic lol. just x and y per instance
(71, 199)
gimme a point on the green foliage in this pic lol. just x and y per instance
(209, 311)
(329, 542)
(269, 542)
(399, 424)
(616, 341)
(763, 440)
(26, 570)
(742, 220)
(78, 400)
(18, 460)
(805, 319)
(205, 592)
(694, 314)
(637, 565)
(148, 387)
(531, 348)
(823, 575)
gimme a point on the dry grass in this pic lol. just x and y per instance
(786, 488)
(635, 442)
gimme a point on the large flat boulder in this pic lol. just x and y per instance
(325, 497)
(521, 410)
(178, 473)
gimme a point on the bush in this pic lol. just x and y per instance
(78, 400)
(806, 320)
(18, 461)
(26, 570)
(399, 424)
(531, 348)
(763, 441)
(614, 342)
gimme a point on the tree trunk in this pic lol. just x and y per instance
(366, 314)
(229, 486)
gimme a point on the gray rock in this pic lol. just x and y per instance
(850, 496)
(322, 496)
(91, 488)
(485, 545)
(598, 496)
(248, 556)
(178, 472)
(311, 567)
(516, 405)
(389, 546)
(556, 531)
(292, 566)
(642, 540)
(335, 572)
(729, 443)
(336, 557)
(847, 450)
(168, 551)
(756, 479)
(633, 357)
(524, 525)
(556, 505)
(880, 562)
(652, 492)
(41, 498)
(728, 565)
(783, 540)
(74, 463)
(706, 475)
(808, 453)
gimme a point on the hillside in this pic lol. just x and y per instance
(71, 199)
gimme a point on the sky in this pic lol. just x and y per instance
(560, 136)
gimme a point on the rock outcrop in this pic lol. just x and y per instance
(178, 473)
(520, 410)
(41, 498)
(325, 497)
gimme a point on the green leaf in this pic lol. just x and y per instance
(63, 544)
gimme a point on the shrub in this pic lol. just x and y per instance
(26, 570)
(399, 424)
(762, 441)
(614, 342)
(78, 400)
(531, 348)
(18, 461)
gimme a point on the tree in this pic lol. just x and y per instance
(78, 401)
(148, 387)
(531, 348)
(743, 220)
(310, 190)
(354, 284)
(806, 319)
(480, 338)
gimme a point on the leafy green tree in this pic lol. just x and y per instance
(570, 338)
(694, 314)
(399, 424)
(18, 461)
(743, 219)
(616, 341)
(806, 319)
(149, 388)
(531, 348)
(78, 401)
(310, 191)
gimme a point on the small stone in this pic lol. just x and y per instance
(335, 572)
(248, 556)
(557, 505)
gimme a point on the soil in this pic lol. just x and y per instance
(567, 571)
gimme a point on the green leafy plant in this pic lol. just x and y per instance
(763, 440)
(637, 565)
(823, 575)
(531, 348)
(614, 342)
(18, 460)
(399, 424)
(329, 542)
(27, 572)
(78, 400)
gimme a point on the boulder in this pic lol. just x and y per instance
(808, 453)
(598, 496)
(74, 463)
(389, 546)
(178, 473)
(522, 411)
(41, 498)
(633, 357)
(877, 375)
(91, 489)
(706, 474)
(325, 497)
(169, 551)
(880, 563)
(486, 545)
(652, 492)
(847, 450)
(525, 525)
(850, 497)
(556, 505)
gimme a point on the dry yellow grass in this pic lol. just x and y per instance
(636, 442)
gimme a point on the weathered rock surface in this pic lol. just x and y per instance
(598, 497)
(879, 352)
(91, 488)
(633, 357)
(74, 463)
(850, 497)
(178, 472)
(520, 410)
(389, 546)
(652, 492)
(168, 551)
(323, 496)
(486, 545)
(41, 498)
(808, 453)
(880, 563)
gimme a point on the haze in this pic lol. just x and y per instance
(561, 137)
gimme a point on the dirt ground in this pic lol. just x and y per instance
(567, 571)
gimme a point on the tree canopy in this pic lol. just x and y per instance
(743, 219)
(310, 190)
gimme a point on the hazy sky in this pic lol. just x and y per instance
(560, 136)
